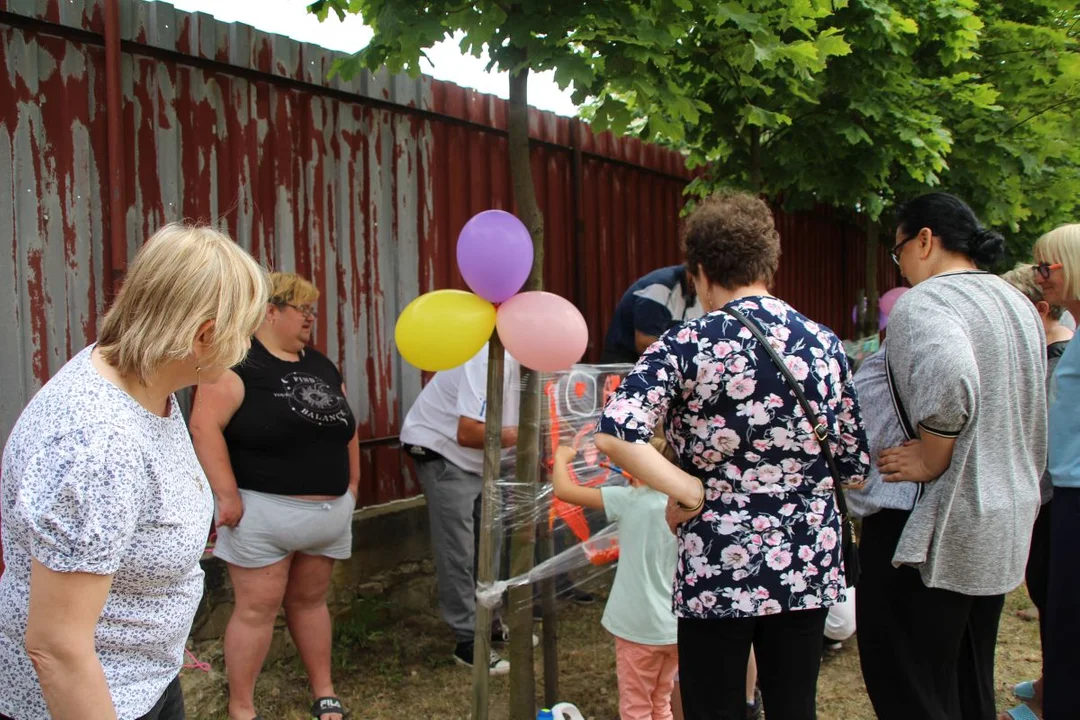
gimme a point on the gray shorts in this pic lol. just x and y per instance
(275, 526)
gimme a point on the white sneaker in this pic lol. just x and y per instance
(500, 635)
(498, 666)
(463, 655)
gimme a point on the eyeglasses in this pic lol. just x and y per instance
(305, 310)
(1044, 269)
(895, 252)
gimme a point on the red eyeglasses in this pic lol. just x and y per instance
(1044, 269)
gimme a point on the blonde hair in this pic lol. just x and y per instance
(291, 289)
(184, 276)
(1062, 245)
(1022, 277)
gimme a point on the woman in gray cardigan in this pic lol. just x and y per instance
(966, 362)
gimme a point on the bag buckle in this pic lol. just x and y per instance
(821, 430)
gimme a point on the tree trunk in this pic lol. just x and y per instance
(755, 159)
(872, 232)
(485, 567)
(522, 675)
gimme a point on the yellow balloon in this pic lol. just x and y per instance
(443, 329)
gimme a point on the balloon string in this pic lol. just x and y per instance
(195, 663)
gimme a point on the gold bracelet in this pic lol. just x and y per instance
(697, 507)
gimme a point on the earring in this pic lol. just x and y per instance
(198, 375)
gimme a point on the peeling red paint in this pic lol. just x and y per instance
(35, 290)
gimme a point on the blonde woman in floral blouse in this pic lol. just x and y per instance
(760, 558)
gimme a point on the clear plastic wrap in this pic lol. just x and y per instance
(585, 543)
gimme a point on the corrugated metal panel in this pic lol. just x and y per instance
(361, 185)
(52, 141)
(823, 266)
(307, 182)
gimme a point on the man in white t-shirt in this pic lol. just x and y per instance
(444, 435)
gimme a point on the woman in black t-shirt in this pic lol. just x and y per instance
(277, 440)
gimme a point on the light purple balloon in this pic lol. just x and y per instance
(855, 311)
(495, 255)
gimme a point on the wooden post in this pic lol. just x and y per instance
(485, 568)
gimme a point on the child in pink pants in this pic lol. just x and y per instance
(638, 612)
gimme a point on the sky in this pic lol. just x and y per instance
(290, 17)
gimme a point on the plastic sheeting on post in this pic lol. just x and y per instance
(584, 540)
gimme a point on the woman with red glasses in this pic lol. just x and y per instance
(1022, 277)
(1057, 271)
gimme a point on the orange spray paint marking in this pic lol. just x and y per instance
(598, 552)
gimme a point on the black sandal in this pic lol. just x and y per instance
(327, 705)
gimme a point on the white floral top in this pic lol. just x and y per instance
(768, 540)
(95, 483)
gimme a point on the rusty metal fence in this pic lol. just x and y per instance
(119, 115)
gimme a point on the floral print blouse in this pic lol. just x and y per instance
(768, 540)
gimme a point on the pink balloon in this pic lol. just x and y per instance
(543, 332)
(885, 304)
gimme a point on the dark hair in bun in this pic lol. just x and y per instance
(950, 219)
(986, 246)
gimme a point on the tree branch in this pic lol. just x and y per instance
(1003, 53)
(1047, 109)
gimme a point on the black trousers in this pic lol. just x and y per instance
(170, 706)
(925, 652)
(713, 656)
(1037, 573)
(1061, 646)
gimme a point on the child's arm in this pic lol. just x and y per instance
(566, 489)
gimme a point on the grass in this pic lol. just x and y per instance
(405, 670)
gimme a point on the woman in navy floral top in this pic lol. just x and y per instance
(760, 556)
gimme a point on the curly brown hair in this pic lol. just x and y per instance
(732, 238)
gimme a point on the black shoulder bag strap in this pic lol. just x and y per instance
(898, 404)
(821, 432)
(910, 432)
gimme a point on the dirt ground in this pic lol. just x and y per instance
(405, 670)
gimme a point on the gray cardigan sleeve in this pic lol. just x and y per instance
(932, 362)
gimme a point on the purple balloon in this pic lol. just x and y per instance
(855, 311)
(495, 255)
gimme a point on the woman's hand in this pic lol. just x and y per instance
(906, 463)
(858, 485)
(644, 462)
(676, 516)
(230, 508)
